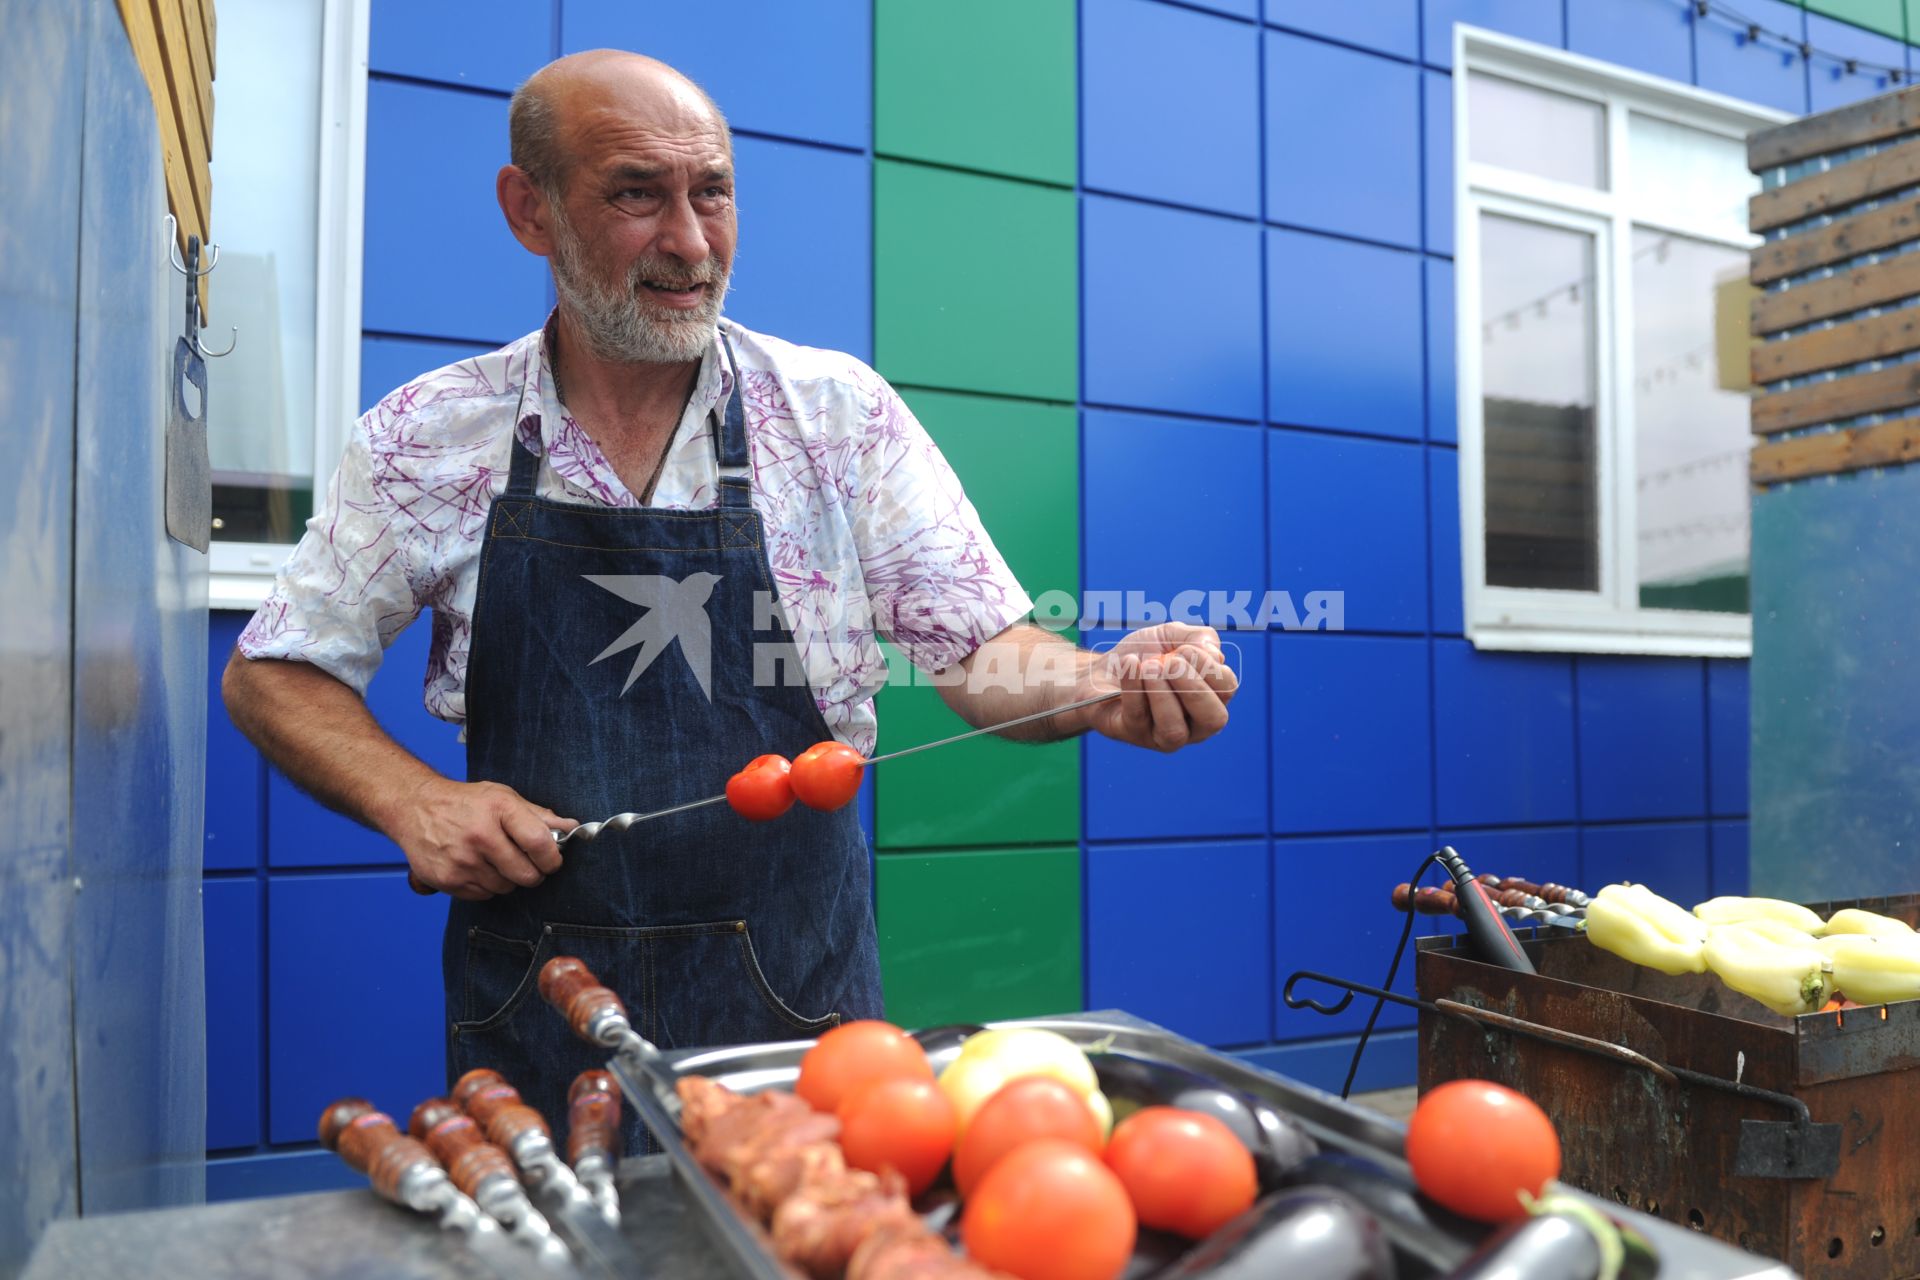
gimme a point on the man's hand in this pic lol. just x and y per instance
(475, 840)
(1175, 686)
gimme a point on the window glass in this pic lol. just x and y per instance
(265, 173)
(1550, 135)
(1691, 434)
(1538, 382)
(1677, 174)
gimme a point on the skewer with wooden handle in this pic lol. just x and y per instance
(485, 1173)
(404, 1171)
(508, 1122)
(593, 1138)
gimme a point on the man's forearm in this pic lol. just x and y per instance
(320, 734)
(1023, 670)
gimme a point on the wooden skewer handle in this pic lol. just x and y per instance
(370, 1144)
(569, 986)
(593, 1116)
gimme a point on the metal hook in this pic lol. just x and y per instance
(173, 252)
(215, 355)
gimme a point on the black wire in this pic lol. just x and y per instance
(1379, 1002)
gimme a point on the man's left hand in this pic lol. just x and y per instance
(1174, 687)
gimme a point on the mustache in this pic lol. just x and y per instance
(674, 275)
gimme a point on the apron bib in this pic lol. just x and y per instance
(613, 668)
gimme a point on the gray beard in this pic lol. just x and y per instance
(618, 324)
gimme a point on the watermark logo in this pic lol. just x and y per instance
(675, 609)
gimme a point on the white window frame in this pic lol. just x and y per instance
(1609, 620)
(241, 573)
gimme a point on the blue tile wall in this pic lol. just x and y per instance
(1200, 909)
(387, 364)
(234, 834)
(279, 1173)
(1237, 8)
(1642, 738)
(1729, 694)
(485, 44)
(805, 268)
(1343, 336)
(1348, 514)
(1671, 858)
(1333, 913)
(439, 261)
(1529, 19)
(1351, 733)
(793, 70)
(1215, 466)
(1503, 732)
(1384, 26)
(1654, 36)
(1390, 1061)
(1217, 788)
(1312, 180)
(1202, 326)
(1830, 84)
(1766, 72)
(1436, 150)
(1171, 102)
(1443, 497)
(1443, 396)
(354, 997)
(301, 833)
(1730, 865)
(231, 911)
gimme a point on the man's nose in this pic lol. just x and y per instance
(682, 235)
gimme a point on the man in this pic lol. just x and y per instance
(637, 473)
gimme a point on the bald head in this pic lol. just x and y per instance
(573, 94)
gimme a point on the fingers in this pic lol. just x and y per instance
(1191, 676)
(527, 828)
(1168, 731)
(553, 820)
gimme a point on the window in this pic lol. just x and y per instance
(1602, 298)
(289, 137)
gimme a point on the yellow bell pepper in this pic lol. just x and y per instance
(1666, 915)
(1742, 910)
(1854, 920)
(1875, 970)
(1784, 934)
(1615, 923)
(1787, 979)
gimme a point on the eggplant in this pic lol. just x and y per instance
(1279, 1145)
(1433, 1239)
(1309, 1233)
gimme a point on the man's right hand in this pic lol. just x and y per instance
(475, 840)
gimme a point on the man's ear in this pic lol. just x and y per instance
(526, 209)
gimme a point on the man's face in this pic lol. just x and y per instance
(644, 232)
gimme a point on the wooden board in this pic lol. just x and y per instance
(1862, 287)
(199, 61)
(137, 15)
(201, 11)
(1877, 392)
(1876, 119)
(1830, 453)
(1837, 188)
(1874, 338)
(1863, 233)
(185, 102)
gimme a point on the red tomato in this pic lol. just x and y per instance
(854, 1055)
(827, 774)
(1475, 1146)
(1020, 1112)
(1050, 1211)
(1184, 1171)
(762, 791)
(905, 1124)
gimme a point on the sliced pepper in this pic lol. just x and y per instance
(1614, 925)
(1787, 979)
(1731, 910)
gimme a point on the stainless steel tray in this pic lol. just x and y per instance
(1427, 1241)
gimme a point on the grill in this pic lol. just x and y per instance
(1797, 1138)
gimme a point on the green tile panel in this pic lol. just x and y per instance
(976, 282)
(980, 934)
(1883, 16)
(988, 84)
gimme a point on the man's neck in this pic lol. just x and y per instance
(616, 396)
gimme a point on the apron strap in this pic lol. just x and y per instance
(525, 469)
(730, 442)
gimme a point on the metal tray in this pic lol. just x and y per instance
(1427, 1241)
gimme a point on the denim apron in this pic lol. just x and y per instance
(713, 930)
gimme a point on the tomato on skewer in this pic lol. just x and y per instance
(827, 775)
(762, 790)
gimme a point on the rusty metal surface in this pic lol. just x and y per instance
(1674, 1150)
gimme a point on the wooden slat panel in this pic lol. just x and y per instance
(1862, 287)
(1862, 233)
(201, 70)
(1881, 445)
(1875, 338)
(1835, 189)
(137, 16)
(173, 53)
(1895, 388)
(1887, 116)
(201, 12)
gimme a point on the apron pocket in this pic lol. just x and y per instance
(500, 974)
(705, 987)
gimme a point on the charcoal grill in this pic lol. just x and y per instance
(1796, 1138)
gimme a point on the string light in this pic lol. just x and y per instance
(1756, 32)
